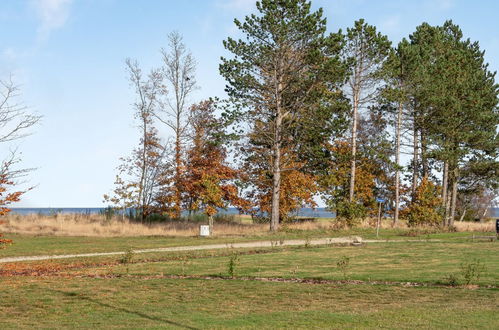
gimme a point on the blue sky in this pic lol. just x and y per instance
(68, 56)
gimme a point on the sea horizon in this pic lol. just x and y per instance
(319, 212)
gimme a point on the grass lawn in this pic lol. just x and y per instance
(401, 262)
(190, 303)
(29, 245)
(149, 293)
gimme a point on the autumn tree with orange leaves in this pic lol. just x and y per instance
(209, 179)
(373, 170)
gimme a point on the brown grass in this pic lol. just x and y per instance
(97, 226)
(387, 224)
(475, 226)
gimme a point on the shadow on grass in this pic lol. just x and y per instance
(121, 309)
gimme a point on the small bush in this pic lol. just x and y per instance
(157, 218)
(343, 265)
(232, 265)
(424, 209)
(224, 218)
(259, 219)
(472, 271)
(451, 280)
(127, 257)
(108, 213)
(350, 213)
(197, 217)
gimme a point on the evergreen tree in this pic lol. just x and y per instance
(366, 50)
(284, 79)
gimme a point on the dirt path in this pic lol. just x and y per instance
(321, 241)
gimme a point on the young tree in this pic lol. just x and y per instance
(209, 180)
(366, 50)
(179, 71)
(284, 80)
(423, 210)
(138, 182)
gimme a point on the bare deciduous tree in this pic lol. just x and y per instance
(143, 167)
(15, 123)
(178, 70)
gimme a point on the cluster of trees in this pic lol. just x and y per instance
(311, 113)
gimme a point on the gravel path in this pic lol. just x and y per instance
(321, 241)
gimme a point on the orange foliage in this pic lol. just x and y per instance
(208, 181)
(297, 189)
(6, 197)
(336, 183)
(424, 209)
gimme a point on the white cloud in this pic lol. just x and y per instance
(52, 14)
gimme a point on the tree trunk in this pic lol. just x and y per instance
(276, 189)
(445, 187)
(424, 159)
(210, 224)
(276, 174)
(454, 196)
(415, 163)
(462, 215)
(178, 164)
(354, 146)
(143, 169)
(397, 163)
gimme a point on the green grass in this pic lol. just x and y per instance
(399, 262)
(28, 245)
(164, 303)
(142, 294)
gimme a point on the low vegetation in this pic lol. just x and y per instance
(394, 284)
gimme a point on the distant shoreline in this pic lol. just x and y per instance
(319, 212)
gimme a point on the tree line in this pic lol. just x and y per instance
(309, 114)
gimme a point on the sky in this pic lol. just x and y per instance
(68, 56)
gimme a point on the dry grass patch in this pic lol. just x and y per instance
(95, 225)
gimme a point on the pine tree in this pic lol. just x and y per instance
(284, 79)
(366, 50)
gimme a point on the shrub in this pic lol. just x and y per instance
(343, 265)
(231, 267)
(350, 213)
(260, 219)
(155, 218)
(472, 270)
(108, 213)
(127, 257)
(424, 210)
(224, 218)
(470, 273)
